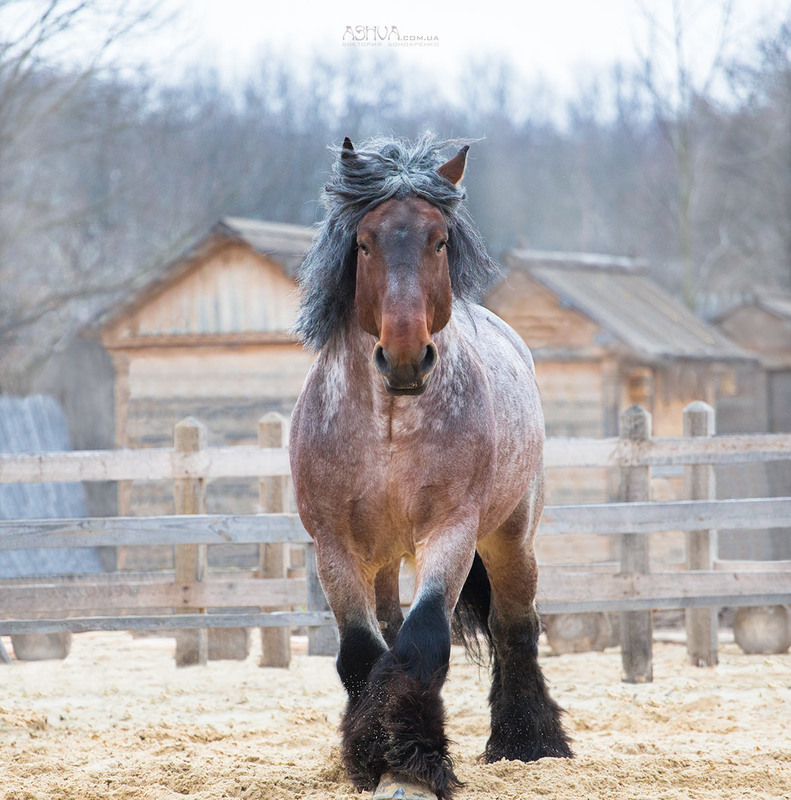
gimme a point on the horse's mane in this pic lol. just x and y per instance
(377, 171)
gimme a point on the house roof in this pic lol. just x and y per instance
(283, 243)
(38, 424)
(779, 303)
(774, 301)
(617, 293)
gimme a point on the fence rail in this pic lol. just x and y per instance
(248, 461)
(84, 603)
(602, 519)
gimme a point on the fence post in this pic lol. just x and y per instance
(322, 641)
(636, 626)
(190, 559)
(699, 484)
(273, 561)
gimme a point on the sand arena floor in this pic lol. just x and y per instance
(118, 720)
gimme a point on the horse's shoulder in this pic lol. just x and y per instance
(484, 325)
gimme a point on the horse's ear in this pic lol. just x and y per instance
(453, 170)
(348, 149)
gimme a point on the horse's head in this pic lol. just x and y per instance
(403, 287)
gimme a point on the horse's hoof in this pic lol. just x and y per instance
(392, 786)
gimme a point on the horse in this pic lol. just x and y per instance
(418, 433)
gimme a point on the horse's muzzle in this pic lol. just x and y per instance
(405, 376)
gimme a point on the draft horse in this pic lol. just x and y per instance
(419, 432)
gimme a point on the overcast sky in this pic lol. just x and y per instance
(555, 40)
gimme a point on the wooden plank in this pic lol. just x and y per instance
(558, 593)
(579, 593)
(666, 451)
(681, 515)
(595, 518)
(144, 576)
(555, 585)
(733, 565)
(701, 545)
(192, 647)
(563, 451)
(273, 557)
(635, 487)
(158, 340)
(166, 623)
(165, 530)
(45, 596)
(250, 461)
(163, 463)
(666, 586)
(660, 603)
(732, 449)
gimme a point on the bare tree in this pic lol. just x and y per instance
(680, 81)
(58, 100)
(759, 160)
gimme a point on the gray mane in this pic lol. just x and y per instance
(382, 169)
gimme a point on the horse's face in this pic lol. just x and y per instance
(403, 293)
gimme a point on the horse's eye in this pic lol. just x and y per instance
(441, 246)
(364, 249)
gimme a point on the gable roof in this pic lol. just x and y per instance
(283, 243)
(38, 424)
(617, 294)
(778, 303)
(774, 301)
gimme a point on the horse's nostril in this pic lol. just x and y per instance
(430, 358)
(380, 360)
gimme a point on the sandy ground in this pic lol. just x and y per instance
(118, 720)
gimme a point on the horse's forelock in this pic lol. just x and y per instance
(377, 171)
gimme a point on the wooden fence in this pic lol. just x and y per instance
(267, 598)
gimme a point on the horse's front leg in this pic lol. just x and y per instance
(416, 667)
(526, 721)
(350, 592)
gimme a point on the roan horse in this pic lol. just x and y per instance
(418, 432)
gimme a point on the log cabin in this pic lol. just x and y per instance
(209, 338)
(604, 336)
(761, 325)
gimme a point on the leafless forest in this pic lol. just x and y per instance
(105, 174)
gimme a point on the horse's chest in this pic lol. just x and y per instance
(417, 477)
(403, 494)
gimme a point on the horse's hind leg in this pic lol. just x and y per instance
(526, 722)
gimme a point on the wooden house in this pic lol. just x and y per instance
(209, 338)
(762, 326)
(604, 336)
